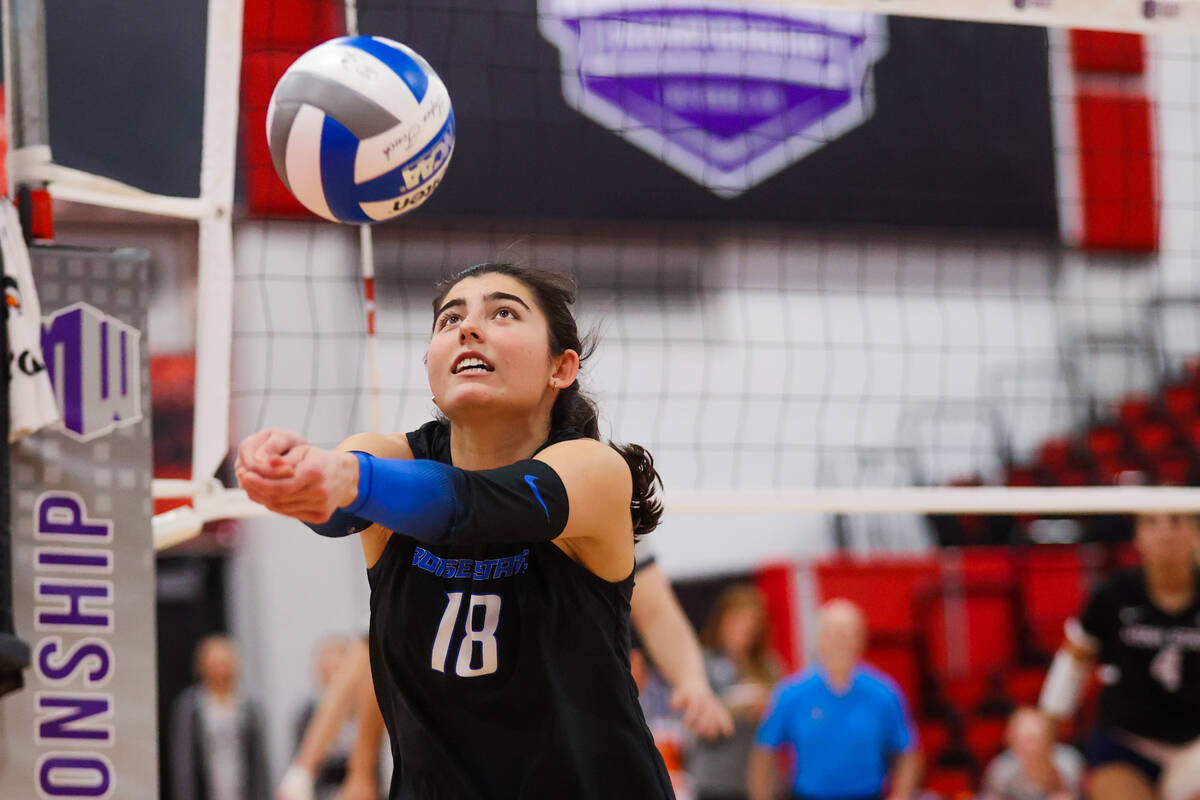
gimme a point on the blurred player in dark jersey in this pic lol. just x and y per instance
(1142, 628)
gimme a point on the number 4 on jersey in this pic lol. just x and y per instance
(1167, 667)
(485, 637)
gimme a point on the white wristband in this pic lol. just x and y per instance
(297, 784)
(1063, 686)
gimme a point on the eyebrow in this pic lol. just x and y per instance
(504, 296)
(488, 298)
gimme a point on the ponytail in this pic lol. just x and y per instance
(574, 409)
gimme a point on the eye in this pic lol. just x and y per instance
(506, 313)
(447, 319)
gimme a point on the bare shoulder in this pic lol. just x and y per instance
(592, 460)
(599, 531)
(383, 445)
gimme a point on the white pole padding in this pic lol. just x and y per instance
(32, 165)
(181, 524)
(214, 294)
(1135, 16)
(937, 500)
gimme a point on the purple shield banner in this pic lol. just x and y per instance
(726, 93)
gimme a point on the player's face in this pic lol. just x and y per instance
(490, 347)
(1162, 538)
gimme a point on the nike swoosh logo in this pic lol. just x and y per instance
(532, 481)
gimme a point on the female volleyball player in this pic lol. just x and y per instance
(1143, 625)
(500, 549)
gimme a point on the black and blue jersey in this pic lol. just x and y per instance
(502, 670)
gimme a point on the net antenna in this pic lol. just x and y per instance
(31, 165)
(366, 260)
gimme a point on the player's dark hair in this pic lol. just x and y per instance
(555, 294)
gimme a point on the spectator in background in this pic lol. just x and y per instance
(1033, 767)
(847, 723)
(742, 673)
(217, 747)
(330, 655)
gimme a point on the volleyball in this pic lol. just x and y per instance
(360, 129)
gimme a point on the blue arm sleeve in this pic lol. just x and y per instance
(434, 502)
(340, 524)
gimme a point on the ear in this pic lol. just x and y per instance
(566, 369)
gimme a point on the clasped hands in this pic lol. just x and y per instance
(280, 470)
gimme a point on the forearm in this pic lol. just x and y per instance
(665, 630)
(333, 710)
(906, 774)
(436, 503)
(760, 775)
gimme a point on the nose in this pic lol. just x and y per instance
(468, 330)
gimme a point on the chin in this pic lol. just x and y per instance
(468, 399)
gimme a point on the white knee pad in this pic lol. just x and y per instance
(1181, 778)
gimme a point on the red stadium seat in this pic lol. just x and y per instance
(1182, 401)
(883, 588)
(1152, 438)
(1104, 441)
(965, 693)
(1022, 686)
(1110, 469)
(1020, 476)
(898, 662)
(1174, 467)
(1053, 588)
(951, 784)
(1070, 476)
(985, 738)
(934, 739)
(1056, 453)
(1134, 408)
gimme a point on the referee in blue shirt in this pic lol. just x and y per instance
(847, 723)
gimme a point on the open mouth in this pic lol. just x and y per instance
(468, 364)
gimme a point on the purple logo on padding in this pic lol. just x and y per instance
(726, 93)
(95, 364)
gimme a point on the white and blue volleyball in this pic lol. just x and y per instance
(360, 129)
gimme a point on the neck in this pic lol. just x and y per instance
(487, 443)
(222, 694)
(839, 676)
(1172, 579)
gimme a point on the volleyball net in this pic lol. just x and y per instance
(934, 261)
(828, 252)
